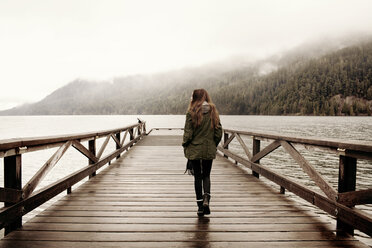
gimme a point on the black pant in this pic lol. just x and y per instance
(202, 172)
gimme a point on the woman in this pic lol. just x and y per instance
(201, 136)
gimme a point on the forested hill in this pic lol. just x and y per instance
(337, 83)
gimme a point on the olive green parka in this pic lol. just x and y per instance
(201, 142)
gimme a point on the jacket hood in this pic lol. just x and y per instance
(205, 107)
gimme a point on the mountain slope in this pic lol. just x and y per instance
(308, 83)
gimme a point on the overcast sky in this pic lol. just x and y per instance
(45, 44)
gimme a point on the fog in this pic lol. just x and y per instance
(45, 44)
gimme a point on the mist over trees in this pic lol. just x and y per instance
(302, 82)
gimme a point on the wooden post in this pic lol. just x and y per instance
(256, 149)
(13, 180)
(144, 128)
(92, 149)
(225, 138)
(346, 182)
(118, 146)
(131, 135)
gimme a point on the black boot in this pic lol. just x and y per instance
(200, 207)
(206, 198)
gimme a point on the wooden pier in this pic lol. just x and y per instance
(143, 199)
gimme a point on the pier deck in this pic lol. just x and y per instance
(143, 199)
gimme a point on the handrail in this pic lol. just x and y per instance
(328, 143)
(19, 201)
(339, 204)
(23, 145)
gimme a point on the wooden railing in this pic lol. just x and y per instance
(339, 204)
(19, 200)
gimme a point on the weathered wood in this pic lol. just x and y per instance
(256, 150)
(131, 134)
(103, 147)
(363, 222)
(282, 190)
(174, 227)
(176, 236)
(228, 141)
(143, 200)
(87, 153)
(10, 195)
(49, 140)
(353, 198)
(52, 161)
(329, 143)
(191, 242)
(346, 183)
(244, 146)
(180, 220)
(310, 170)
(43, 195)
(13, 180)
(117, 141)
(225, 138)
(267, 150)
(92, 149)
(125, 136)
(114, 137)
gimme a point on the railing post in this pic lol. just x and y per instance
(118, 146)
(131, 135)
(256, 149)
(225, 138)
(13, 180)
(92, 149)
(346, 182)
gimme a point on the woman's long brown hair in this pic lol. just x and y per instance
(195, 108)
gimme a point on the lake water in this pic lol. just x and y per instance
(344, 128)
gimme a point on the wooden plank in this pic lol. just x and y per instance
(267, 150)
(179, 220)
(52, 161)
(10, 195)
(103, 147)
(188, 214)
(116, 139)
(227, 142)
(362, 221)
(329, 143)
(38, 141)
(49, 192)
(353, 198)
(244, 146)
(76, 144)
(141, 200)
(184, 244)
(179, 208)
(310, 170)
(174, 236)
(92, 149)
(125, 136)
(175, 227)
(12, 180)
(256, 149)
(346, 182)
